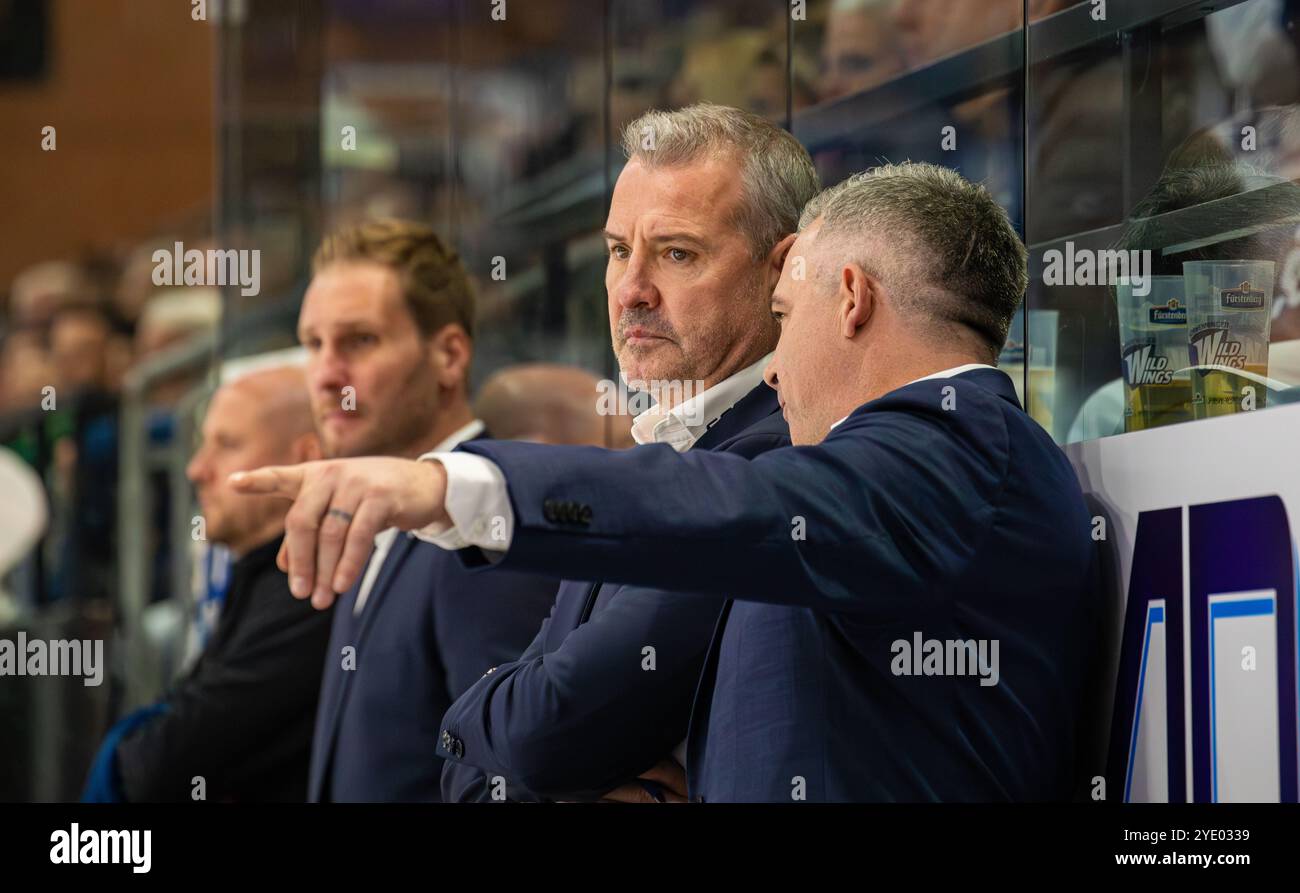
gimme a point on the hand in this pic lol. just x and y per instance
(338, 507)
(667, 773)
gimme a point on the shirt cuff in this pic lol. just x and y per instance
(477, 502)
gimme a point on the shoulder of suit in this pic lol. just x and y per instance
(769, 434)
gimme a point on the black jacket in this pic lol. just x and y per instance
(242, 719)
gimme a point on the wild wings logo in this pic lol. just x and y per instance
(1143, 365)
(1211, 344)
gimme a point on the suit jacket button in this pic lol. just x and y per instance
(452, 745)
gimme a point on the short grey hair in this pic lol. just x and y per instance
(951, 252)
(777, 174)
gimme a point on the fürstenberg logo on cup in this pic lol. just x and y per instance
(946, 657)
(90, 847)
(56, 657)
(1084, 266)
(635, 397)
(211, 267)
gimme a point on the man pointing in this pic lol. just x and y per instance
(920, 505)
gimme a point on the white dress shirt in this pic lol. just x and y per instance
(385, 538)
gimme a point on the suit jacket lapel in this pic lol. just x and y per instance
(402, 545)
(356, 628)
(751, 409)
(748, 410)
(701, 704)
(331, 696)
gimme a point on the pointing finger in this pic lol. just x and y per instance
(275, 480)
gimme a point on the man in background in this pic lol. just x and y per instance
(240, 722)
(388, 323)
(549, 403)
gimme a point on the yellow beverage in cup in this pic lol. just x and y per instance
(1228, 320)
(1153, 350)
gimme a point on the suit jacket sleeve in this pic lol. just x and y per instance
(533, 719)
(491, 623)
(606, 705)
(855, 524)
(466, 783)
(224, 722)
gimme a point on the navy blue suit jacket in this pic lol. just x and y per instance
(939, 509)
(581, 711)
(427, 631)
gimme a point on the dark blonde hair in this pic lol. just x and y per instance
(434, 283)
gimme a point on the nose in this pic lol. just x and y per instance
(635, 288)
(197, 469)
(326, 371)
(769, 375)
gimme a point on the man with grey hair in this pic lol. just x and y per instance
(699, 223)
(913, 616)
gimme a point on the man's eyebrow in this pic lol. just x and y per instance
(345, 325)
(777, 300)
(678, 236)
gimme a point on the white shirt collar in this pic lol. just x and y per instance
(459, 436)
(946, 373)
(684, 424)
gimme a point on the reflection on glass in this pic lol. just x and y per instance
(860, 47)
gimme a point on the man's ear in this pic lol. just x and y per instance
(306, 448)
(452, 352)
(776, 259)
(857, 297)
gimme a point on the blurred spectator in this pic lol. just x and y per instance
(242, 719)
(860, 47)
(86, 351)
(135, 284)
(38, 291)
(25, 369)
(548, 403)
(23, 515)
(174, 316)
(929, 30)
(1256, 57)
